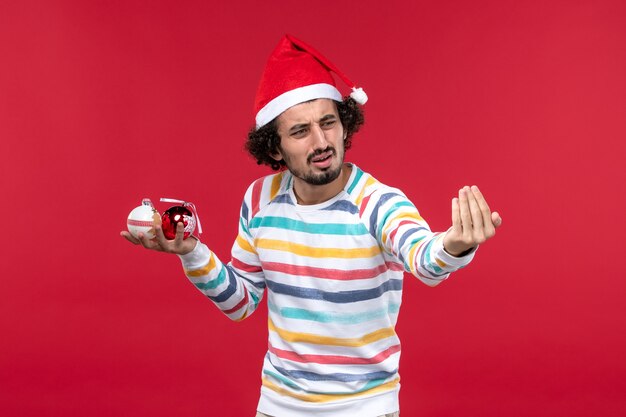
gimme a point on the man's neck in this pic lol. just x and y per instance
(307, 194)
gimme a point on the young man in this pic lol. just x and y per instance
(330, 243)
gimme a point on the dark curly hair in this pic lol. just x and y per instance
(264, 142)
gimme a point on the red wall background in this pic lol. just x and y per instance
(103, 103)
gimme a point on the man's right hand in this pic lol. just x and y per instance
(178, 246)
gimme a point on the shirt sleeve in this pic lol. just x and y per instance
(403, 234)
(235, 287)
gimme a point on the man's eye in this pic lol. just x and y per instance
(329, 123)
(299, 133)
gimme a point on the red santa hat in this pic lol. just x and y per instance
(295, 73)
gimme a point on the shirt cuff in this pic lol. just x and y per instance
(198, 257)
(450, 261)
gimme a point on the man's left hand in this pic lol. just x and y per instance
(473, 222)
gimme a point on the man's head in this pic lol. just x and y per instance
(266, 142)
(296, 74)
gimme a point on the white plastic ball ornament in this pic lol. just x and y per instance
(142, 219)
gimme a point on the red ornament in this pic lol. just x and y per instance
(172, 216)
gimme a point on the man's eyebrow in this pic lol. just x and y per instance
(305, 125)
(328, 116)
(298, 126)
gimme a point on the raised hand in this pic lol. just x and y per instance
(473, 222)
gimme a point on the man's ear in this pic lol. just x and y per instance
(277, 156)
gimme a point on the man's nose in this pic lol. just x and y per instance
(318, 136)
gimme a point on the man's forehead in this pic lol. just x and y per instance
(303, 112)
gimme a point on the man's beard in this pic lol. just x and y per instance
(325, 177)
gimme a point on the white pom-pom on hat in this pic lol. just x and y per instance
(359, 95)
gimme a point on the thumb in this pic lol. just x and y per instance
(496, 219)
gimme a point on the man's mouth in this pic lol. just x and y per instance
(323, 159)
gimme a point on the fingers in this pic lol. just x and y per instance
(473, 222)
(180, 233)
(160, 243)
(176, 244)
(140, 240)
(485, 213)
(148, 243)
(466, 215)
(477, 216)
(482, 204)
(456, 217)
(160, 237)
(170, 246)
(132, 239)
(477, 221)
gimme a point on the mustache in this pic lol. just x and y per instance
(321, 151)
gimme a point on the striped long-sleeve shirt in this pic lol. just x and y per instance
(333, 273)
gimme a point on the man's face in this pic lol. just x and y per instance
(311, 141)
